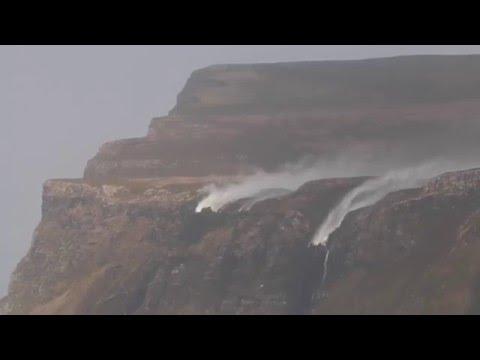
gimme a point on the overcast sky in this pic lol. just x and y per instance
(58, 104)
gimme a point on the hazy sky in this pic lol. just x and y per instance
(58, 104)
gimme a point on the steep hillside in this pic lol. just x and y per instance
(139, 248)
(126, 239)
(232, 118)
(305, 86)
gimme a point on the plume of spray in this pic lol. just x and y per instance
(264, 195)
(262, 185)
(371, 192)
(374, 190)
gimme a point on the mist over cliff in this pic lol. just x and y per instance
(216, 208)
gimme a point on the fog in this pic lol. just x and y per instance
(58, 104)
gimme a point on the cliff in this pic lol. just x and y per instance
(125, 239)
(232, 118)
(311, 86)
(139, 248)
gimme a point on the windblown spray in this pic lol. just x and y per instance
(262, 185)
(372, 191)
(368, 194)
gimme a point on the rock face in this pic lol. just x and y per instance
(138, 248)
(232, 118)
(304, 86)
(463, 181)
(125, 239)
(414, 252)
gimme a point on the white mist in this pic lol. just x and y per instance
(374, 190)
(289, 178)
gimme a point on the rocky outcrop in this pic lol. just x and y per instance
(414, 252)
(4, 306)
(458, 181)
(232, 118)
(286, 88)
(140, 248)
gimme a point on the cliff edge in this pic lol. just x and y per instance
(126, 239)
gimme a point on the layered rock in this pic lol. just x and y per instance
(286, 88)
(414, 252)
(233, 118)
(138, 248)
(458, 181)
(125, 239)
